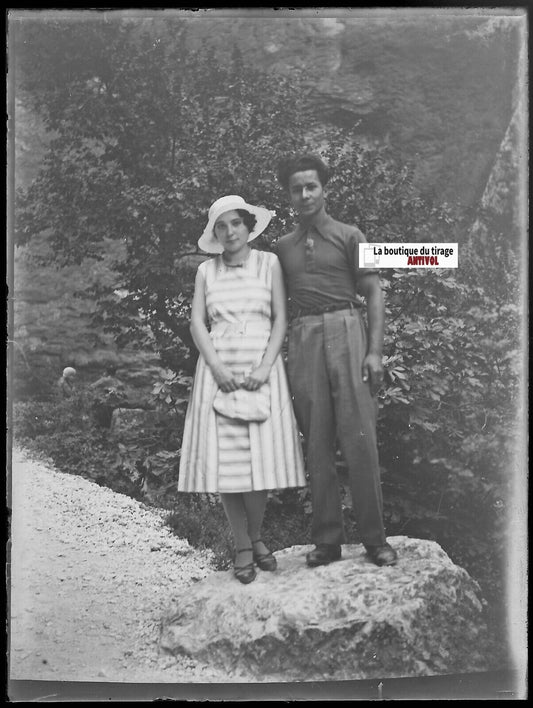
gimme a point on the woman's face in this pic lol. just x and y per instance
(231, 232)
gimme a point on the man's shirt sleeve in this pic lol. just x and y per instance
(355, 238)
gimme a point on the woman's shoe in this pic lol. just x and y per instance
(244, 573)
(265, 561)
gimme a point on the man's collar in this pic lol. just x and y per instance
(320, 222)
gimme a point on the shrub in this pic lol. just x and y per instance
(68, 432)
(62, 430)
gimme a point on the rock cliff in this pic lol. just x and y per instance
(437, 86)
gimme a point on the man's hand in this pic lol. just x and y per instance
(373, 370)
(256, 378)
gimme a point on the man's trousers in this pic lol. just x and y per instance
(331, 402)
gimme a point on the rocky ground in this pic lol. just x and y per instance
(92, 572)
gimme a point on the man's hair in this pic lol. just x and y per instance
(300, 163)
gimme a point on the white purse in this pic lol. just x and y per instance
(252, 406)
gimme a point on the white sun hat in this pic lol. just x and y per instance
(208, 241)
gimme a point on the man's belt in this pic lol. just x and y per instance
(321, 309)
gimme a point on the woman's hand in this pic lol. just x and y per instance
(224, 377)
(256, 378)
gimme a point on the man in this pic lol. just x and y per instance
(335, 369)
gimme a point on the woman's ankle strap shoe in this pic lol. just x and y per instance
(244, 573)
(265, 561)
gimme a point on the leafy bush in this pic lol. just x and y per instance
(62, 431)
(69, 433)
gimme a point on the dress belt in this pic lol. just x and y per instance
(244, 327)
(332, 307)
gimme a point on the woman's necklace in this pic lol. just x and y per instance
(240, 264)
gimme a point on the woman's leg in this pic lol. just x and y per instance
(236, 513)
(255, 505)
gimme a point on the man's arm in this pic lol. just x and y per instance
(369, 287)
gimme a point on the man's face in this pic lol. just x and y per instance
(306, 193)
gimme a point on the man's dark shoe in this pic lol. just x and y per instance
(323, 554)
(382, 555)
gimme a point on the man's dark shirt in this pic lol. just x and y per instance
(320, 262)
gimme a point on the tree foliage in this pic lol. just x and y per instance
(146, 137)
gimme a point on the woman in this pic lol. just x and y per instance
(240, 437)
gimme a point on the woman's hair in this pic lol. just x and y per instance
(300, 163)
(249, 219)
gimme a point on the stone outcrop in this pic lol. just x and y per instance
(349, 620)
(436, 86)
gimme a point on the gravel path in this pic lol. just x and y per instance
(92, 572)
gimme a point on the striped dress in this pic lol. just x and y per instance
(221, 454)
